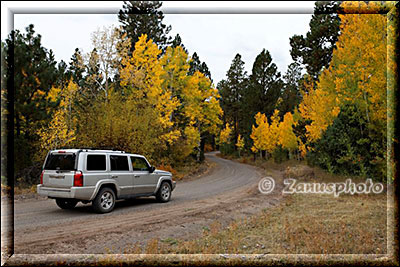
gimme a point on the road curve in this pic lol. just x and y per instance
(41, 222)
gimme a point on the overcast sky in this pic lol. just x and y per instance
(216, 38)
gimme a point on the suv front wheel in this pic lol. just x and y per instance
(164, 192)
(104, 201)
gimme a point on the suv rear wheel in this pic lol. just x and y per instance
(104, 201)
(66, 204)
(164, 192)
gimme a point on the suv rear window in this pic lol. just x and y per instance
(64, 162)
(96, 163)
(119, 163)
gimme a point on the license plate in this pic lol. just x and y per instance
(57, 176)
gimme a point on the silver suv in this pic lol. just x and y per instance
(101, 177)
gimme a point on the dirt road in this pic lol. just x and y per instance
(227, 192)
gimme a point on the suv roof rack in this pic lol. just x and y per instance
(101, 148)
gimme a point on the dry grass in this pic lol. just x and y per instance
(301, 224)
(25, 190)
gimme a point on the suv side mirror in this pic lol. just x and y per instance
(152, 169)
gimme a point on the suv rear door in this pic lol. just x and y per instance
(59, 169)
(96, 168)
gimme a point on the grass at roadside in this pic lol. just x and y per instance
(301, 224)
(188, 170)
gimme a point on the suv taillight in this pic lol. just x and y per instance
(78, 178)
(41, 177)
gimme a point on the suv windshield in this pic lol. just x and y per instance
(64, 162)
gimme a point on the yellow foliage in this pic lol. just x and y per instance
(201, 104)
(260, 133)
(240, 142)
(141, 76)
(321, 107)
(356, 75)
(56, 134)
(192, 137)
(225, 134)
(53, 94)
(61, 129)
(287, 138)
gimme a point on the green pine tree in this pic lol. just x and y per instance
(231, 91)
(197, 65)
(314, 50)
(34, 74)
(290, 96)
(144, 17)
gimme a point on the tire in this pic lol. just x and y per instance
(66, 204)
(104, 201)
(164, 192)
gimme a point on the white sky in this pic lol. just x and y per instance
(216, 38)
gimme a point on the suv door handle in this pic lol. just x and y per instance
(114, 176)
(136, 176)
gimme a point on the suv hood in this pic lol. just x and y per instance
(161, 172)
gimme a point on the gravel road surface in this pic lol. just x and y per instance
(227, 192)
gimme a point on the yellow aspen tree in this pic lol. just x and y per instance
(141, 77)
(175, 64)
(260, 133)
(287, 138)
(225, 134)
(56, 134)
(110, 47)
(356, 77)
(273, 136)
(240, 143)
(61, 130)
(201, 106)
(359, 62)
(320, 107)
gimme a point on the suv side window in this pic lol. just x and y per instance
(96, 163)
(119, 163)
(139, 164)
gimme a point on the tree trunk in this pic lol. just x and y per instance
(198, 156)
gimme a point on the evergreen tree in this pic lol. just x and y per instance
(63, 75)
(35, 73)
(291, 96)
(144, 17)
(197, 65)
(263, 90)
(231, 91)
(314, 50)
(177, 41)
(76, 67)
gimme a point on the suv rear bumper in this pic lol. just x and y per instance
(82, 193)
